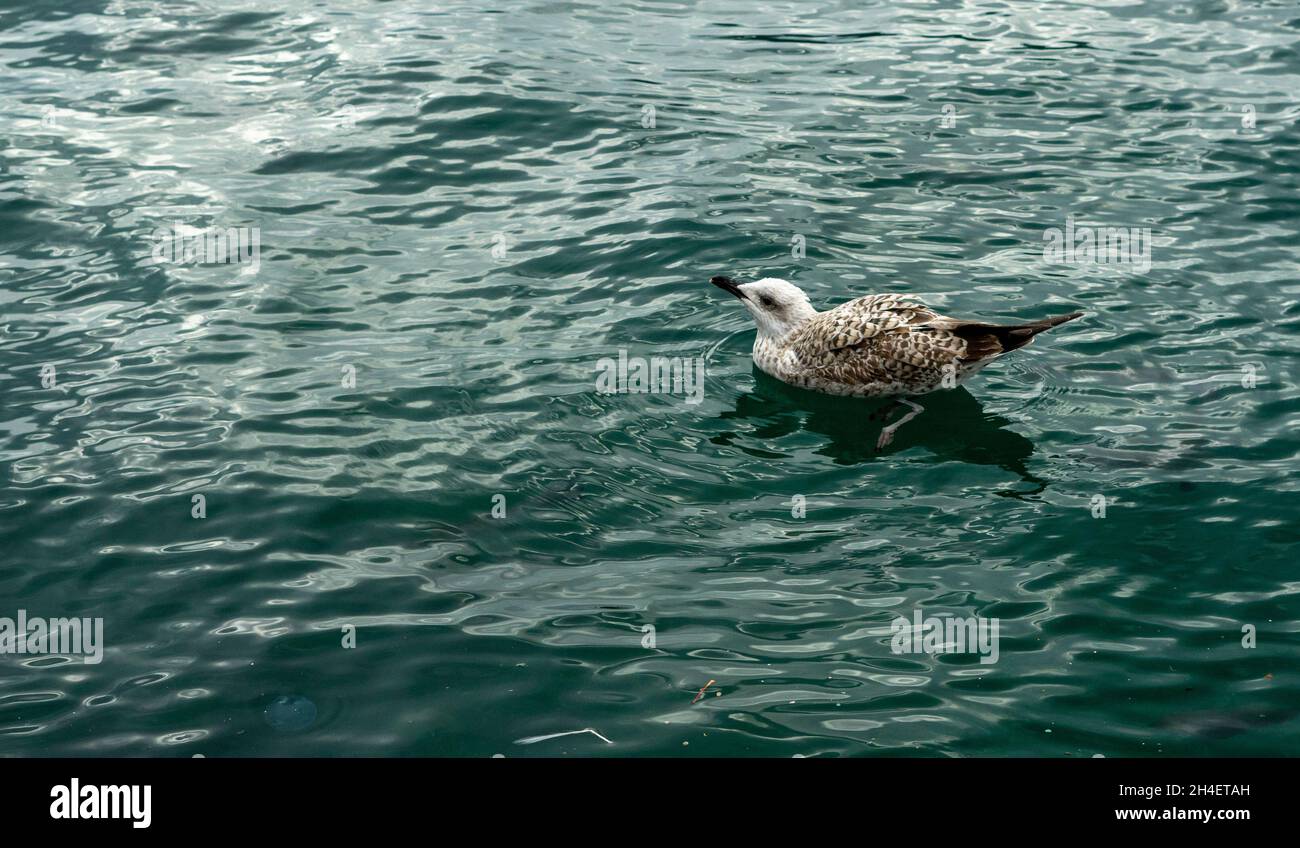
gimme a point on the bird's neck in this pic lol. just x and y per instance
(777, 332)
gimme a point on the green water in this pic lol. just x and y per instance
(462, 208)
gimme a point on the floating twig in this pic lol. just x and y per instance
(531, 739)
(700, 694)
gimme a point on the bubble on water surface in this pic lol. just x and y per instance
(290, 713)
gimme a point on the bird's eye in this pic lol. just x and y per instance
(767, 301)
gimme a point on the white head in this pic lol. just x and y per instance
(778, 306)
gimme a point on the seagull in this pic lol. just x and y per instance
(881, 345)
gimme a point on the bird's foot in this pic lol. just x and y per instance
(887, 434)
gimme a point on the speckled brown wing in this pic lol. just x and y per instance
(880, 339)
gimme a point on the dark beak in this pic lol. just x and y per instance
(728, 285)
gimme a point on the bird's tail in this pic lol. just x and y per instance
(992, 339)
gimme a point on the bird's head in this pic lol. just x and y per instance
(777, 306)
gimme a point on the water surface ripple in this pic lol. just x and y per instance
(468, 206)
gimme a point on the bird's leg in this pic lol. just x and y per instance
(887, 434)
(883, 413)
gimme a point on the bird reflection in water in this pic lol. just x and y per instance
(961, 431)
